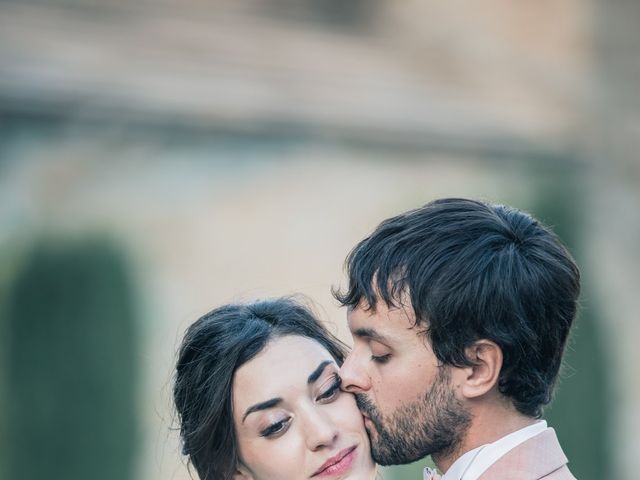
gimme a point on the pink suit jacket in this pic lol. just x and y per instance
(540, 457)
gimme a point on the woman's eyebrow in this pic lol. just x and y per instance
(318, 371)
(262, 406)
(276, 401)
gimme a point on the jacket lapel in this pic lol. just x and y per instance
(531, 460)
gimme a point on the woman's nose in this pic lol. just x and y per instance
(353, 374)
(320, 430)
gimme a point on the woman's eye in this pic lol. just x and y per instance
(332, 391)
(275, 428)
(381, 358)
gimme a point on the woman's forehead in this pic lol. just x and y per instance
(284, 365)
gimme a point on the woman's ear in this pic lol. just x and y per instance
(482, 376)
(242, 473)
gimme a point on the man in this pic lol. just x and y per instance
(460, 311)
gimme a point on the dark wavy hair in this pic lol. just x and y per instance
(213, 348)
(474, 270)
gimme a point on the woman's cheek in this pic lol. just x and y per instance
(347, 412)
(285, 448)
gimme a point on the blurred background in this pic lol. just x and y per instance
(159, 158)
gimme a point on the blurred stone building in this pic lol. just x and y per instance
(242, 148)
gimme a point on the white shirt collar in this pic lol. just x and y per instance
(475, 462)
(461, 465)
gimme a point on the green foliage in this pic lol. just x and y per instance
(70, 384)
(579, 412)
(410, 471)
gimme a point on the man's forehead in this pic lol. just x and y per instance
(383, 318)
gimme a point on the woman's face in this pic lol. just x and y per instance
(291, 419)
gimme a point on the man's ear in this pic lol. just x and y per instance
(482, 376)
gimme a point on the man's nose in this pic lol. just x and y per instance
(353, 374)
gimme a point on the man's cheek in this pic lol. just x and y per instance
(392, 397)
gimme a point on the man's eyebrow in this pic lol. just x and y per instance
(262, 406)
(371, 334)
(318, 371)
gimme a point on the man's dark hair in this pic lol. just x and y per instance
(475, 271)
(213, 348)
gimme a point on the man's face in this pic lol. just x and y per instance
(406, 397)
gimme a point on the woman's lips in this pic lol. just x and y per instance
(337, 464)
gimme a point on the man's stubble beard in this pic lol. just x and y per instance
(432, 424)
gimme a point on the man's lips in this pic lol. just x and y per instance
(335, 459)
(366, 418)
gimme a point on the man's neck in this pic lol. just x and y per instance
(486, 427)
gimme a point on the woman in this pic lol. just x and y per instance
(258, 397)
